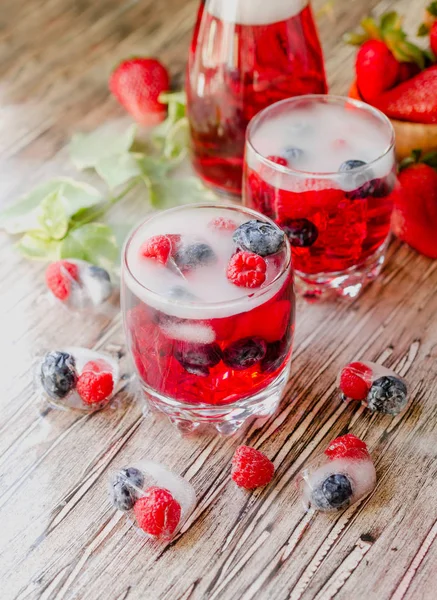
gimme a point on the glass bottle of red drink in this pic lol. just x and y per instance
(244, 56)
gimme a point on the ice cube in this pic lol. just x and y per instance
(379, 388)
(58, 372)
(130, 484)
(185, 331)
(338, 480)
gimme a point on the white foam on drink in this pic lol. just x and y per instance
(255, 12)
(328, 134)
(215, 296)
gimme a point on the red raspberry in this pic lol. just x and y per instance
(247, 269)
(95, 383)
(157, 512)
(347, 446)
(59, 276)
(222, 224)
(278, 160)
(356, 380)
(251, 468)
(158, 247)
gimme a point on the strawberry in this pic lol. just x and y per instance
(413, 100)
(137, 84)
(414, 218)
(433, 38)
(376, 68)
(407, 70)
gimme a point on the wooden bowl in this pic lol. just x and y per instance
(409, 136)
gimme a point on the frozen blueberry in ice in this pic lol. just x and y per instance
(197, 254)
(198, 370)
(348, 165)
(292, 153)
(259, 237)
(199, 355)
(276, 353)
(245, 353)
(387, 395)
(179, 293)
(302, 233)
(97, 283)
(383, 186)
(58, 374)
(334, 492)
(363, 185)
(125, 488)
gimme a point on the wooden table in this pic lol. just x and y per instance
(60, 538)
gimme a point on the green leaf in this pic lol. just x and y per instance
(88, 149)
(355, 39)
(23, 215)
(116, 170)
(371, 28)
(423, 30)
(32, 246)
(173, 192)
(154, 168)
(389, 21)
(94, 242)
(52, 215)
(432, 9)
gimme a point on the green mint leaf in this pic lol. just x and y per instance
(432, 9)
(154, 168)
(176, 141)
(174, 192)
(52, 216)
(88, 149)
(33, 246)
(389, 21)
(116, 170)
(423, 30)
(94, 242)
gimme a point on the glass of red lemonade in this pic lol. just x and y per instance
(208, 305)
(323, 168)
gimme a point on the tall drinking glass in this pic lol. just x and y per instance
(210, 344)
(323, 168)
(245, 55)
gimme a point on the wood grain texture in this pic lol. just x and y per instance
(60, 539)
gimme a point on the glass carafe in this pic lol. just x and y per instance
(244, 56)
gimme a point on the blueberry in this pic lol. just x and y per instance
(97, 283)
(334, 492)
(198, 355)
(244, 353)
(363, 186)
(58, 374)
(258, 237)
(180, 293)
(292, 154)
(122, 490)
(302, 233)
(276, 353)
(197, 254)
(195, 369)
(388, 395)
(384, 186)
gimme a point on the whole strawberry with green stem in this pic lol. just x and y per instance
(137, 84)
(385, 56)
(414, 219)
(429, 27)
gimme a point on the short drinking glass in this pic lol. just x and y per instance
(209, 313)
(323, 168)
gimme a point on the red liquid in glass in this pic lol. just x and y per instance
(235, 71)
(155, 353)
(349, 229)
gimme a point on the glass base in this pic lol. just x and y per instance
(347, 284)
(225, 418)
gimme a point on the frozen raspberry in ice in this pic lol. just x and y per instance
(343, 475)
(77, 378)
(158, 500)
(222, 224)
(157, 248)
(246, 269)
(78, 284)
(278, 160)
(259, 237)
(379, 388)
(251, 468)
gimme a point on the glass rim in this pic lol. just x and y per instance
(334, 99)
(166, 301)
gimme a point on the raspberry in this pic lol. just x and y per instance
(157, 512)
(278, 160)
(222, 224)
(95, 382)
(347, 446)
(158, 247)
(59, 276)
(251, 468)
(247, 269)
(356, 380)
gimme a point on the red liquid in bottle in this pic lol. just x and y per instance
(234, 71)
